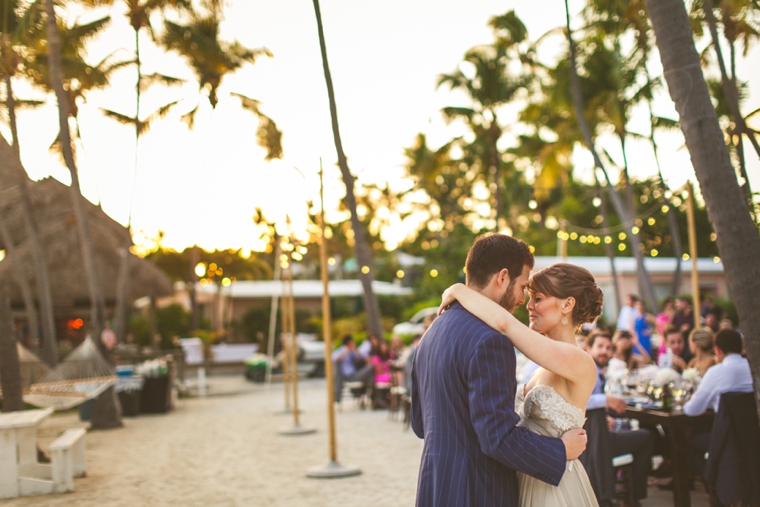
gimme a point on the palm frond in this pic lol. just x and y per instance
(269, 137)
(451, 113)
(249, 104)
(77, 36)
(27, 104)
(189, 118)
(121, 118)
(149, 80)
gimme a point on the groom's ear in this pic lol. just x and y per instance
(502, 277)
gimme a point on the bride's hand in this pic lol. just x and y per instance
(448, 297)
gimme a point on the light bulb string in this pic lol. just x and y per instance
(567, 226)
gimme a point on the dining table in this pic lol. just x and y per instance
(18, 450)
(677, 427)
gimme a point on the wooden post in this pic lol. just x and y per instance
(273, 315)
(293, 342)
(693, 254)
(284, 340)
(333, 469)
(326, 323)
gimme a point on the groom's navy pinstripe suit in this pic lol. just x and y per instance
(463, 396)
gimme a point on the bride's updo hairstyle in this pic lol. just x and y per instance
(566, 280)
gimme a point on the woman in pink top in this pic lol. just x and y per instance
(382, 363)
(664, 319)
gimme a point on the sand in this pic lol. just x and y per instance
(225, 450)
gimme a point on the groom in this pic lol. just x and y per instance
(463, 395)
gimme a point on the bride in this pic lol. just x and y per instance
(562, 297)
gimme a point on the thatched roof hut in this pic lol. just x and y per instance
(56, 223)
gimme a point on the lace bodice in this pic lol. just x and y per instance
(546, 412)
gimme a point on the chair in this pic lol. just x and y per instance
(597, 459)
(623, 467)
(343, 387)
(733, 462)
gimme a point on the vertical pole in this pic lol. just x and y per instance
(273, 315)
(326, 324)
(693, 254)
(293, 343)
(284, 340)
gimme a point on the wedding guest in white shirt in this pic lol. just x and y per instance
(628, 314)
(731, 374)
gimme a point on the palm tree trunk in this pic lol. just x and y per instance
(361, 250)
(626, 177)
(97, 320)
(675, 233)
(122, 284)
(21, 280)
(107, 411)
(21, 181)
(193, 282)
(732, 97)
(608, 246)
(10, 370)
(10, 103)
(738, 238)
(644, 280)
(12, 257)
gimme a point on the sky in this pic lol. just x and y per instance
(202, 186)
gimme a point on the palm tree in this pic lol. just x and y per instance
(79, 77)
(16, 31)
(737, 235)
(110, 412)
(489, 89)
(618, 19)
(738, 23)
(361, 250)
(645, 281)
(138, 13)
(211, 60)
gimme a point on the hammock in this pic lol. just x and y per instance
(82, 376)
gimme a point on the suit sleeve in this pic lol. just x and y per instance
(491, 384)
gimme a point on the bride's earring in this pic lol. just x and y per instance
(564, 320)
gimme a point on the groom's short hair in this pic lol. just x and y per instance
(492, 252)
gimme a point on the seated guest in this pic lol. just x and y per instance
(675, 342)
(712, 320)
(639, 443)
(369, 346)
(397, 347)
(731, 374)
(701, 345)
(642, 328)
(382, 363)
(624, 343)
(353, 365)
(683, 320)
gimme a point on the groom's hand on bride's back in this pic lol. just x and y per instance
(575, 442)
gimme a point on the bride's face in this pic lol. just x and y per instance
(545, 312)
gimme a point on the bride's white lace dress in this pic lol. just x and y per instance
(544, 411)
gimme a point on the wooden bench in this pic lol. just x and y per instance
(68, 459)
